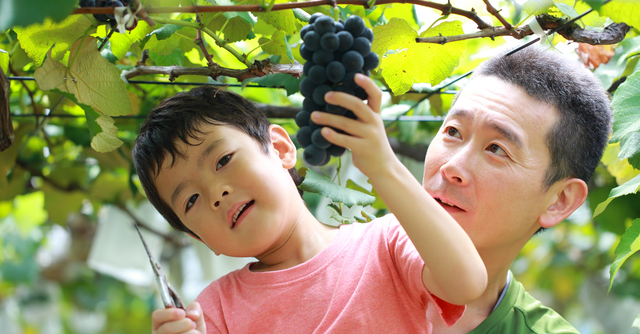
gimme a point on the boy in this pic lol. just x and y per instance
(214, 167)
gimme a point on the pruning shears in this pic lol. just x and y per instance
(167, 292)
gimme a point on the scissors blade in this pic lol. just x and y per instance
(167, 293)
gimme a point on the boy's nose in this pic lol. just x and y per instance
(217, 203)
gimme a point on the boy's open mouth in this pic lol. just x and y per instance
(240, 211)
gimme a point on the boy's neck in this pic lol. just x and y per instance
(306, 239)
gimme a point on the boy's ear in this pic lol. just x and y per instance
(569, 195)
(283, 146)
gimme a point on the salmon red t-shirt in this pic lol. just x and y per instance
(368, 280)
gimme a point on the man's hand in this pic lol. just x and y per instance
(175, 320)
(366, 136)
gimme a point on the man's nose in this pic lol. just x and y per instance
(457, 169)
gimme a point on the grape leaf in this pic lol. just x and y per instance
(566, 9)
(620, 169)
(29, 211)
(91, 79)
(236, 30)
(629, 187)
(320, 184)
(629, 244)
(622, 11)
(163, 48)
(120, 43)
(289, 82)
(24, 13)
(283, 20)
(37, 39)
(104, 135)
(59, 204)
(175, 58)
(436, 62)
(277, 45)
(4, 61)
(626, 118)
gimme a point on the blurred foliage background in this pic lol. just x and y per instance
(70, 261)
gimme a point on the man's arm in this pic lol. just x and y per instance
(453, 268)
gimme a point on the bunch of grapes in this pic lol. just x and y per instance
(335, 52)
(108, 17)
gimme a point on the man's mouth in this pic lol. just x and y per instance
(446, 204)
(240, 211)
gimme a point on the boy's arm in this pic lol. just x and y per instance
(453, 268)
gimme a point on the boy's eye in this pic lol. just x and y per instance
(191, 202)
(496, 149)
(451, 131)
(223, 161)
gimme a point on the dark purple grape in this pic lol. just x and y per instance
(323, 57)
(355, 25)
(362, 45)
(100, 17)
(335, 150)
(314, 126)
(335, 71)
(312, 40)
(314, 17)
(339, 27)
(305, 53)
(318, 75)
(370, 61)
(361, 93)
(368, 34)
(318, 140)
(324, 24)
(306, 87)
(307, 66)
(326, 160)
(335, 109)
(330, 42)
(314, 155)
(115, 3)
(302, 118)
(309, 105)
(352, 61)
(348, 81)
(304, 30)
(346, 40)
(304, 136)
(344, 88)
(319, 92)
(87, 3)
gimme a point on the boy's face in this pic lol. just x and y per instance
(489, 159)
(230, 193)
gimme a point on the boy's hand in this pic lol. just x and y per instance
(176, 320)
(366, 136)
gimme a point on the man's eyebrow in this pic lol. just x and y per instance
(201, 159)
(501, 129)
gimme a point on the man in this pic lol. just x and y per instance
(512, 157)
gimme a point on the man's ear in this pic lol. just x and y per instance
(282, 144)
(569, 195)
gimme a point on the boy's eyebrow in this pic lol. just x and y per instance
(201, 159)
(490, 124)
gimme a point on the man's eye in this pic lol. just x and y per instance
(222, 162)
(453, 132)
(496, 149)
(191, 202)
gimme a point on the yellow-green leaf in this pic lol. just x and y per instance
(629, 244)
(29, 211)
(277, 45)
(91, 79)
(60, 204)
(623, 11)
(620, 169)
(165, 46)
(404, 62)
(630, 187)
(37, 39)
(283, 20)
(236, 30)
(4, 61)
(107, 140)
(120, 43)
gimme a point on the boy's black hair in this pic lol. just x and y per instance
(177, 119)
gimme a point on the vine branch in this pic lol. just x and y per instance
(496, 13)
(177, 241)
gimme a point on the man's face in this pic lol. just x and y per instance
(230, 193)
(489, 160)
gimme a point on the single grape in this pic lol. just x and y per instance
(355, 25)
(339, 27)
(318, 140)
(329, 42)
(314, 155)
(87, 3)
(304, 30)
(314, 17)
(323, 57)
(344, 88)
(335, 71)
(319, 92)
(335, 109)
(324, 24)
(346, 40)
(114, 3)
(307, 67)
(335, 150)
(368, 34)
(314, 126)
(309, 105)
(361, 93)
(306, 87)
(302, 118)
(318, 75)
(349, 82)
(305, 52)
(326, 160)
(312, 40)
(362, 45)
(370, 61)
(304, 136)
(100, 17)
(352, 61)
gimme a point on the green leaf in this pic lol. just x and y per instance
(626, 115)
(24, 13)
(37, 39)
(90, 78)
(277, 45)
(335, 214)
(629, 244)
(320, 184)
(566, 9)
(60, 204)
(400, 54)
(289, 82)
(623, 11)
(283, 20)
(595, 4)
(630, 47)
(236, 30)
(175, 58)
(4, 61)
(104, 135)
(29, 211)
(378, 204)
(620, 169)
(627, 188)
(120, 43)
